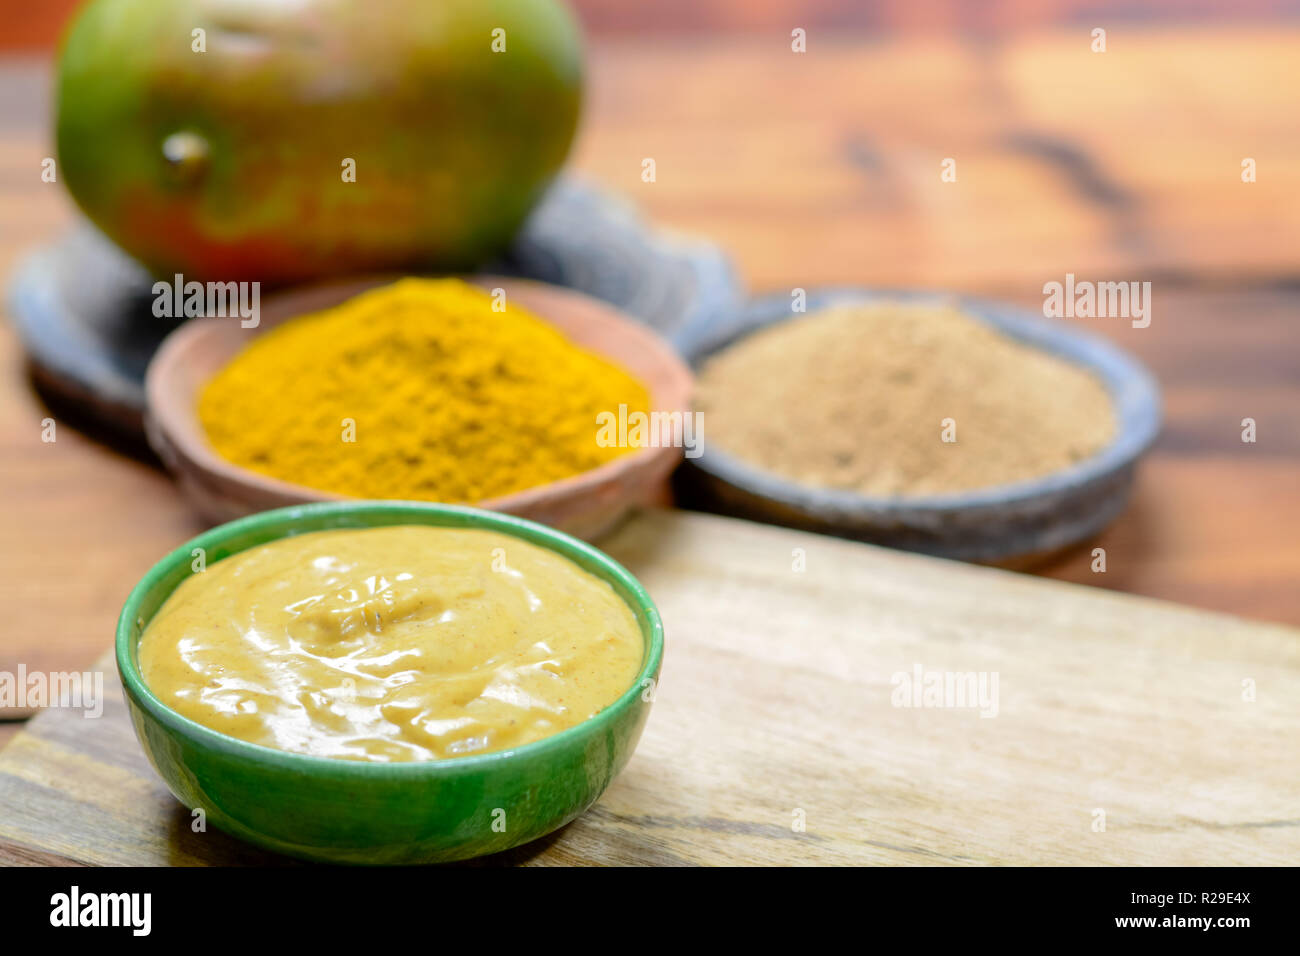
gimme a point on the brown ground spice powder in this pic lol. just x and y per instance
(854, 397)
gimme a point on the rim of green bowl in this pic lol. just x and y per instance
(586, 556)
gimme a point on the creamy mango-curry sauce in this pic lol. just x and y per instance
(392, 644)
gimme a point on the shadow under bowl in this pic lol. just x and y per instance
(1014, 524)
(344, 811)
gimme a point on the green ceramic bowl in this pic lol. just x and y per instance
(343, 811)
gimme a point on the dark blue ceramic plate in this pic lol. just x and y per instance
(1002, 524)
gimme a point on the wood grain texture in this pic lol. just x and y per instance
(824, 169)
(775, 697)
(33, 26)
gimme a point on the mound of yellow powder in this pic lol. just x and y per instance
(862, 398)
(416, 390)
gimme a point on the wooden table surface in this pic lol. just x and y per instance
(824, 167)
(1118, 732)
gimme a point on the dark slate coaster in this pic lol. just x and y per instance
(84, 310)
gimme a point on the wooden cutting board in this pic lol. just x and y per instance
(775, 709)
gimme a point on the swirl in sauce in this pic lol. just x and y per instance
(392, 644)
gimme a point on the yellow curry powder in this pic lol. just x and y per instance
(416, 390)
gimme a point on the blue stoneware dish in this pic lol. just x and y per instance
(1005, 524)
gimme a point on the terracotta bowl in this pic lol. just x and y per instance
(586, 505)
